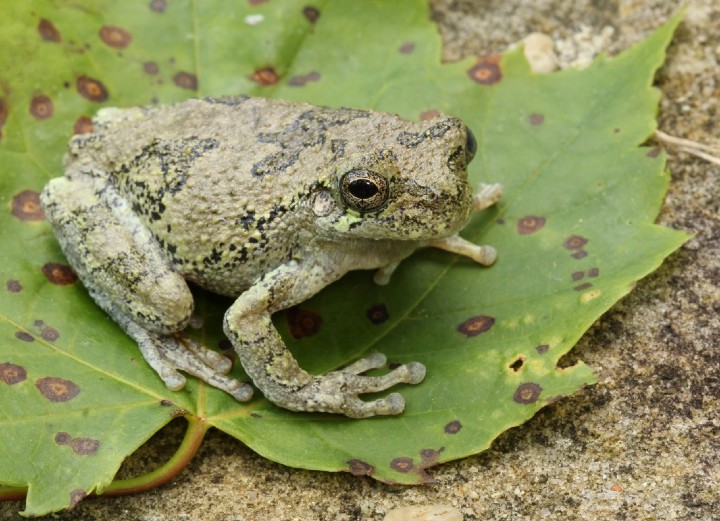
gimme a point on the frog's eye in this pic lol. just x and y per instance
(364, 190)
(470, 145)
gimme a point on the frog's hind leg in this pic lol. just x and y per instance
(277, 374)
(126, 273)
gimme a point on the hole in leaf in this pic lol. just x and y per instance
(517, 364)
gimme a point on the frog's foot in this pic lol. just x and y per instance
(484, 255)
(337, 392)
(383, 274)
(486, 196)
(169, 354)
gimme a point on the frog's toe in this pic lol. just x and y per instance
(242, 392)
(373, 361)
(392, 404)
(172, 379)
(168, 355)
(197, 360)
(353, 385)
(415, 372)
(486, 196)
(219, 363)
(411, 373)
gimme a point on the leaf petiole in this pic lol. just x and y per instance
(189, 446)
(194, 435)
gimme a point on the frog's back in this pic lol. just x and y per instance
(221, 183)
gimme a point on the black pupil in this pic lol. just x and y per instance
(362, 188)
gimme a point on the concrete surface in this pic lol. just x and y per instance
(644, 443)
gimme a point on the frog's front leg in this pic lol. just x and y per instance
(277, 374)
(486, 196)
(126, 273)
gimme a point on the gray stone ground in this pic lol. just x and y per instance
(644, 443)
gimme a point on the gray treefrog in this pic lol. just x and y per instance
(265, 200)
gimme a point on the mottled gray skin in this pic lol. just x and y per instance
(253, 198)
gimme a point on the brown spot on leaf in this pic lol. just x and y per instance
(402, 464)
(48, 31)
(76, 496)
(582, 287)
(575, 242)
(41, 107)
(25, 337)
(407, 48)
(653, 153)
(580, 254)
(530, 224)
(57, 389)
(166, 403)
(360, 468)
(91, 89)
(542, 349)
(527, 393)
(429, 114)
(81, 446)
(178, 412)
(83, 125)
(60, 274)
(577, 275)
(85, 446)
(536, 119)
(12, 374)
(151, 67)
(299, 81)
(62, 438)
(430, 456)
(378, 314)
(158, 6)
(185, 80)
(115, 36)
(473, 326)
(311, 13)
(26, 206)
(50, 334)
(303, 322)
(486, 71)
(13, 286)
(265, 76)
(593, 272)
(453, 427)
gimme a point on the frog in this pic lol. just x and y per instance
(267, 201)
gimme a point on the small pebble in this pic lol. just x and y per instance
(425, 513)
(540, 54)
